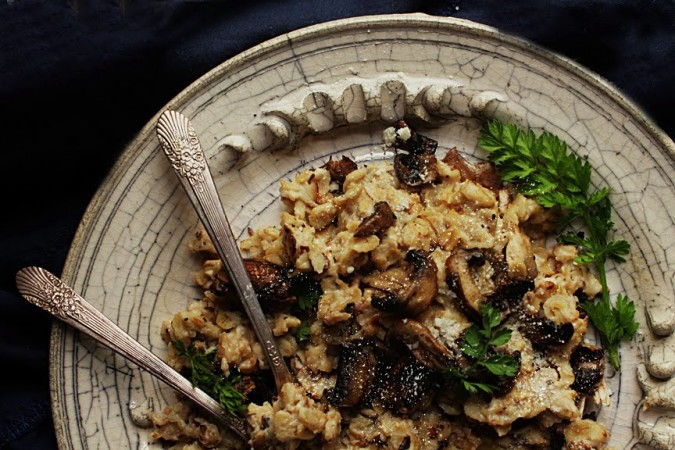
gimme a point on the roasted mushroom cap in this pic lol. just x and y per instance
(417, 165)
(408, 287)
(415, 170)
(460, 280)
(339, 169)
(588, 364)
(405, 385)
(357, 370)
(484, 173)
(543, 332)
(415, 144)
(507, 293)
(381, 219)
(417, 338)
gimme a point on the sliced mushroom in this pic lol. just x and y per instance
(339, 169)
(344, 331)
(291, 250)
(415, 170)
(381, 219)
(357, 370)
(270, 281)
(543, 332)
(415, 143)
(484, 173)
(417, 165)
(507, 293)
(405, 385)
(461, 282)
(588, 364)
(420, 342)
(409, 286)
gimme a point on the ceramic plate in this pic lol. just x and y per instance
(329, 90)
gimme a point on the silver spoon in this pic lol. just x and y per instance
(181, 145)
(48, 292)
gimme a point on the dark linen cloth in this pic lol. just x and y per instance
(78, 79)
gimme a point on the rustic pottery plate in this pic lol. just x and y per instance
(329, 90)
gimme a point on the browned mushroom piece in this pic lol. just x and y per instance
(417, 165)
(507, 293)
(415, 170)
(557, 439)
(460, 280)
(291, 250)
(416, 144)
(483, 173)
(357, 370)
(408, 287)
(381, 219)
(420, 342)
(271, 283)
(543, 332)
(343, 332)
(405, 385)
(339, 169)
(588, 364)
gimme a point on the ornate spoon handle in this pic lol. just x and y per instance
(180, 143)
(48, 292)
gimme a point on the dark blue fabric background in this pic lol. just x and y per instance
(78, 79)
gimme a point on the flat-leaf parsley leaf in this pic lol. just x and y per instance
(206, 375)
(486, 365)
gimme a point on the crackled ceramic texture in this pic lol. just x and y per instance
(330, 90)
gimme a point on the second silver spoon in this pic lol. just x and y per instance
(48, 292)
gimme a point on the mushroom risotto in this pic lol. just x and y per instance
(417, 306)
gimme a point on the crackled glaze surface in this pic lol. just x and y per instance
(329, 90)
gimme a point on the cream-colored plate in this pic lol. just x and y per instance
(330, 89)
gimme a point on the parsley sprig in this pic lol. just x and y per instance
(542, 167)
(478, 345)
(205, 374)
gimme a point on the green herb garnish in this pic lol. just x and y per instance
(307, 289)
(206, 375)
(478, 345)
(541, 167)
(302, 332)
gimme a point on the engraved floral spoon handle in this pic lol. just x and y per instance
(48, 292)
(182, 147)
